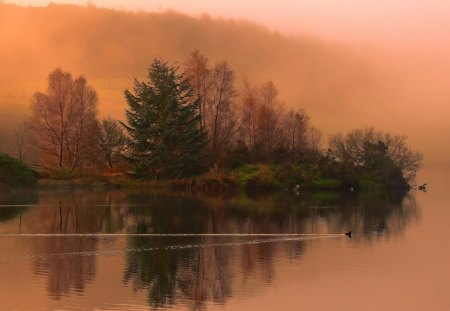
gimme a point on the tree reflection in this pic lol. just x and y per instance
(368, 214)
(70, 212)
(207, 273)
(66, 273)
(157, 270)
(211, 273)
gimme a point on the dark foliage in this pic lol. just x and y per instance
(15, 174)
(163, 124)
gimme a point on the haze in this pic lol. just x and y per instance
(387, 20)
(348, 63)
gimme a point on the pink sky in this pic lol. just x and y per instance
(390, 21)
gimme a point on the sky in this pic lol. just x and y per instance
(404, 42)
(391, 21)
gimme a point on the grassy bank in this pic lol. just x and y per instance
(296, 179)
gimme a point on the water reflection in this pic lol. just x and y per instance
(13, 204)
(64, 274)
(192, 276)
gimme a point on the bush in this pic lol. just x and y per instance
(15, 174)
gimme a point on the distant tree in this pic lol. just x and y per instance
(268, 119)
(111, 142)
(63, 121)
(221, 112)
(163, 124)
(267, 132)
(214, 88)
(296, 127)
(314, 141)
(198, 72)
(21, 140)
(248, 123)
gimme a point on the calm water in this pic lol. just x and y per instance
(398, 258)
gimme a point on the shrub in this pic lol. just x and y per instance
(15, 174)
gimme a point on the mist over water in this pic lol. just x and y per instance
(398, 88)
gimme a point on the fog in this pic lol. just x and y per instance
(400, 87)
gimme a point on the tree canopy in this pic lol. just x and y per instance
(63, 122)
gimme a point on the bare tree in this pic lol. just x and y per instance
(21, 140)
(82, 129)
(197, 69)
(268, 117)
(63, 121)
(220, 117)
(296, 127)
(315, 140)
(214, 87)
(248, 122)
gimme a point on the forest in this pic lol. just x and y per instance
(189, 125)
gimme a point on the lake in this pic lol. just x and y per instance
(119, 250)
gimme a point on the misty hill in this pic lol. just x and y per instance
(111, 46)
(339, 88)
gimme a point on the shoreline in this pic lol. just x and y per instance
(203, 184)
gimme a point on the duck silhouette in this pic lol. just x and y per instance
(423, 187)
(349, 234)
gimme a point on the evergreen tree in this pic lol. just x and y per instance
(163, 119)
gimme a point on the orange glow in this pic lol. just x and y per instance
(390, 70)
(389, 20)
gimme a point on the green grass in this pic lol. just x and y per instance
(326, 184)
(368, 183)
(251, 177)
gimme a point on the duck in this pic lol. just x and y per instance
(349, 234)
(423, 187)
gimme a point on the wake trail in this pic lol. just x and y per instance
(113, 252)
(5, 235)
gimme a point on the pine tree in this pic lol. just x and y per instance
(163, 123)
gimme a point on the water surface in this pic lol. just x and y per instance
(397, 259)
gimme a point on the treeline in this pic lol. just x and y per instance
(183, 121)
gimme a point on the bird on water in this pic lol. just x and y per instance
(349, 234)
